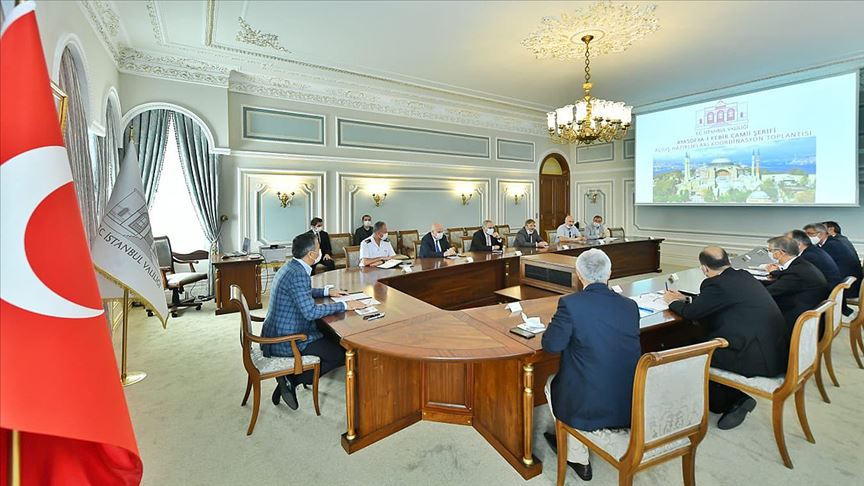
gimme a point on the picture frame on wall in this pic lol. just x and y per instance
(630, 149)
(61, 102)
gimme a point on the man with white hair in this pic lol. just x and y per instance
(569, 232)
(435, 244)
(597, 333)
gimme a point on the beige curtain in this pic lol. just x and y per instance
(78, 143)
(107, 160)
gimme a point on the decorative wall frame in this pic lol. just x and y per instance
(629, 149)
(405, 133)
(595, 153)
(503, 145)
(314, 122)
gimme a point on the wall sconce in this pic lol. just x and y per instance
(592, 196)
(517, 198)
(466, 198)
(379, 198)
(285, 198)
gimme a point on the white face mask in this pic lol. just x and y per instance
(596, 225)
(317, 229)
(318, 258)
(529, 231)
(437, 236)
(489, 231)
(569, 225)
(814, 240)
(367, 224)
(384, 237)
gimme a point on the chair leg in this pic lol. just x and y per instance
(315, 373)
(688, 464)
(854, 340)
(625, 478)
(819, 383)
(256, 402)
(777, 421)
(802, 415)
(830, 365)
(561, 439)
(248, 389)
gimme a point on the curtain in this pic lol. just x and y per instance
(77, 141)
(201, 171)
(150, 132)
(107, 161)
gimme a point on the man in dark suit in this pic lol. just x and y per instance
(292, 310)
(486, 238)
(835, 232)
(845, 258)
(435, 244)
(317, 229)
(815, 255)
(797, 285)
(597, 333)
(364, 231)
(528, 237)
(735, 306)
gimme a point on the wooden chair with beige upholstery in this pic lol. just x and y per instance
(260, 368)
(552, 236)
(352, 256)
(803, 353)
(408, 238)
(616, 232)
(417, 248)
(466, 243)
(510, 241)
(470, 230)
(855, 323)
(338, 242)
(503, 229)
(834, 317)
(669, 416)
(455, 236)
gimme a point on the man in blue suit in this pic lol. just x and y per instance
(845, 257)
(435, 244)
(292, 310)
(597, 333)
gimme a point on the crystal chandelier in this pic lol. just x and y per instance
(590, 119)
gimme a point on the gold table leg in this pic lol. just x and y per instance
(349, 393)
(528, 412)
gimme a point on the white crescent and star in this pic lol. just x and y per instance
(25, 181)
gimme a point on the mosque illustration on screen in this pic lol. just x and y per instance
(789, 178)
(722, 114)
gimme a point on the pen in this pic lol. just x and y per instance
(667, 285)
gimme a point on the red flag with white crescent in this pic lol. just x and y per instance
(59, 384)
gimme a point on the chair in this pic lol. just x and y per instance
(260, 368)
(803, 353)
(417, 248)
(856, 322)
(834, 317)
(408, 238)
(669, 417)
(455, 236)
(511, 241)
(616, 232)
(470, 230)
(503, 229)
(175, 281)
(352, 256)
(552, 236)
(466, 243)
(338, 242)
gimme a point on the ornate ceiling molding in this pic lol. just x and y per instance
(105, 22)
(171, 67)
(249, 35)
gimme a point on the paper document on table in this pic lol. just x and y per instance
(756, 271)
(651, 303)
(390, 264)
(369, 302)
(366, 311)
(531, 324)
(354, 296)
(617, 289)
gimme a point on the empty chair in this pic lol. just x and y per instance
(833, 321)
(352, 256)
(855, 322)
(338, 242)
(455, 236)
(803, 353)
(503, 229)
(176, 281)
(552, 236)
(466, 242)
(616, 232)
(260, 368)
(408, 238)
(669, 417)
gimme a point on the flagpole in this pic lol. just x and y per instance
(127, 378)
(14, 458)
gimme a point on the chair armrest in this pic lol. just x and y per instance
(195, 256)
(256, 318)
(293, 338)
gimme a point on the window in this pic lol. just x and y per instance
(172, 213)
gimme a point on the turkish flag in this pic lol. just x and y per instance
(59, 384)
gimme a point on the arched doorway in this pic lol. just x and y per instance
(554, 192)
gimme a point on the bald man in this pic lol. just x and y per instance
(735, 306)
(434, 244)
(568, 232)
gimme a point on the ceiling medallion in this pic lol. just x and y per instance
(255, 37)
(613, 25)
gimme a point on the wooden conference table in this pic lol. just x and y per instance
(443, 352)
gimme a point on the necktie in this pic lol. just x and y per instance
(437, 246)
(488, 240)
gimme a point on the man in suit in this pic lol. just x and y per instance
(364, 231)
(845, 258)
(435, 244)
(797, 285)
(569, 232)
(815, 255)
(486, 238)
(317, 229)
(597, 333)
(735, 306)
(835, 232)
(292, 310)
(528, 237)
(596, 230)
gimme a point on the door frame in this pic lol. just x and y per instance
(565, 175)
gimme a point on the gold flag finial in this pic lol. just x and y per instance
(131, 133)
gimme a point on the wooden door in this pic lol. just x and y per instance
(554, 192)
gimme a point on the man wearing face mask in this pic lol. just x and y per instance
(364, 231)
(568, 232)
(292, 310)
(596, 230)
(435, 244)
(486, 238)
(846, 259)
(317, 229)
(528, 237)
(796, 285)
(735, 306)
(811, 252)
(835, 232)
(376, 249)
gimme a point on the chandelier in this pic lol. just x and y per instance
(590, 119)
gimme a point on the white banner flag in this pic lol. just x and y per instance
(122, 249)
